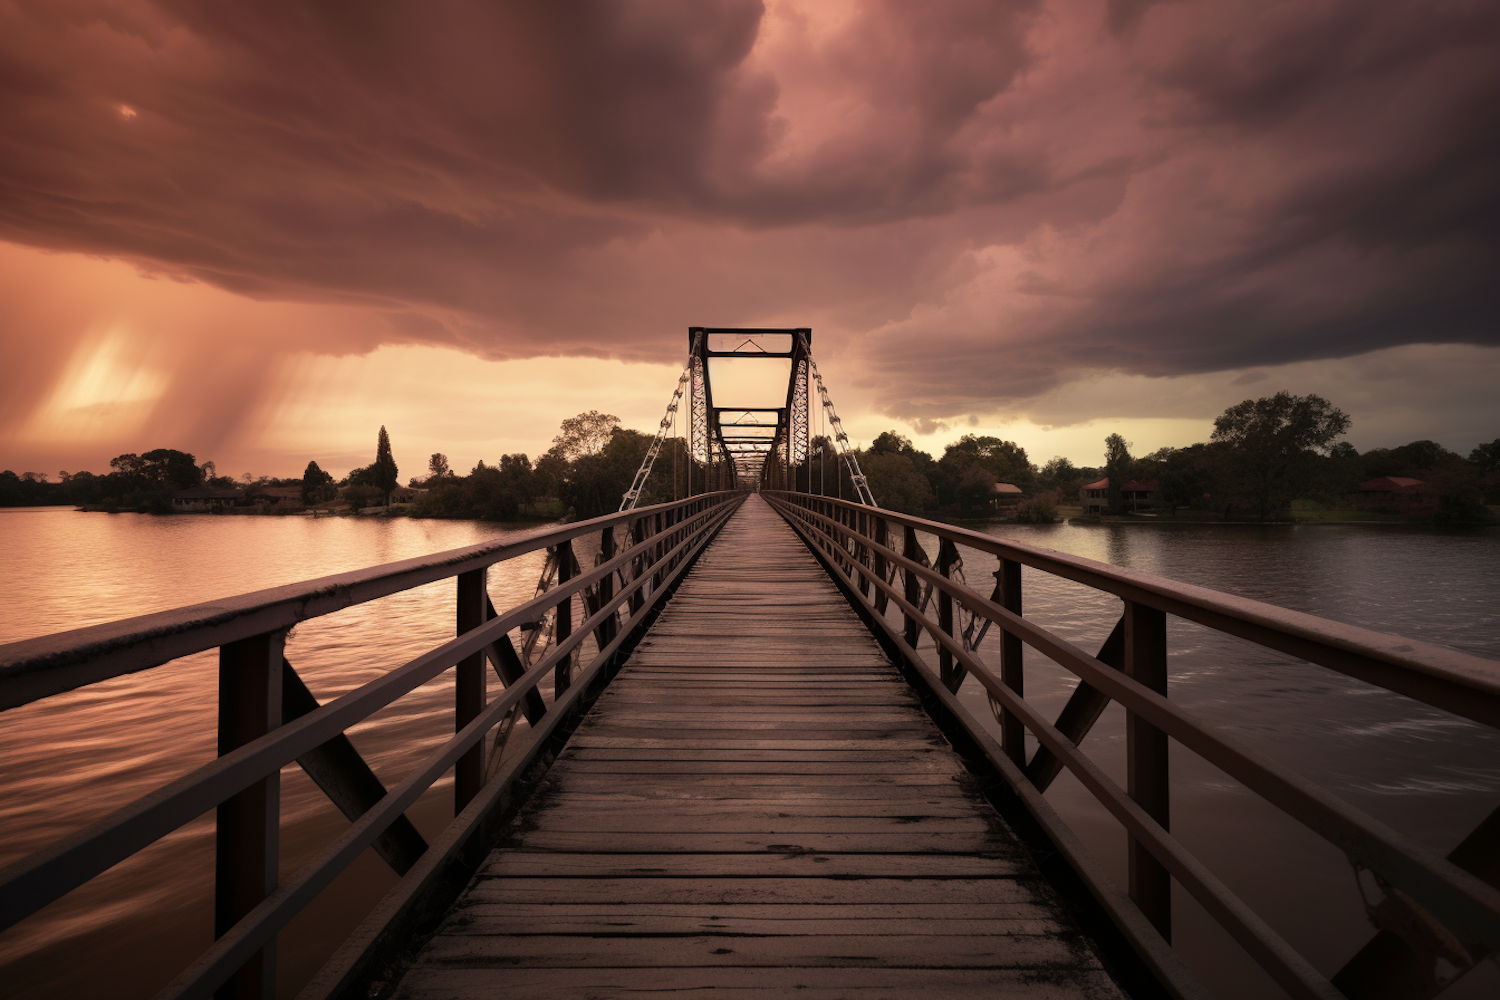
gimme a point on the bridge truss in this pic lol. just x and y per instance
(731, 446)
(726, 447)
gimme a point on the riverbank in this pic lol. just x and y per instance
(1296, 516)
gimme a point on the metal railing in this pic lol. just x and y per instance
(1439, 916)
(268, 718)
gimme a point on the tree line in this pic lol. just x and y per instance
(1263, 454)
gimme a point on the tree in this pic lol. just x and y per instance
(1005, 461)
(1487, 456)
(437, 467)
(1271, 442)
(890, 443)
(1413, 459)
(1118, 466)
(315, 483)
(894, 480)
(975, 489)
(586, 434)
(595, 482)
(384, 468)
(1062, 475)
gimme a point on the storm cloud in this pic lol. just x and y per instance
(973, 203)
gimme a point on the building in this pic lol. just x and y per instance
(1004, 496)
(283, 497)
(1135, 494)
(200, 499)
(1094, 497)
(1140, 494)
(1397, 495)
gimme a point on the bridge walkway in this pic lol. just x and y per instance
(757, 804)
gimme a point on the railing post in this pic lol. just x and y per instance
(469, 688)
(562, 673)
(882, 538)
(249, 823)
(638, 564)
(910, 548)
(947, 559)
(862, 520)
(1146, 761)
(1012, 730)
(605, 633)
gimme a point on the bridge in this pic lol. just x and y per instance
(746, 770)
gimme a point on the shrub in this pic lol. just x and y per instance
(1036, 510)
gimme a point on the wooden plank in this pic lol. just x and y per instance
(757, 805)
(718, 767)
(767, 890)
(760, 984)
(992, 951)
(755, 818)
(603, 810)
(905, 841)
(509, 863)
(867, 755)
(767, 917)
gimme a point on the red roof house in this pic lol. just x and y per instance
(1134, 494)
(1397, 495)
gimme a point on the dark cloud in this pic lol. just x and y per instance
(978, 199)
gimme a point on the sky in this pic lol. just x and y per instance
(258, 232)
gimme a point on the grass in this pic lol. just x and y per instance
(1312, 512)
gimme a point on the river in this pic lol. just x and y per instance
(69, 760)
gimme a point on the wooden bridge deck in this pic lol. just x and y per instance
(757, 805)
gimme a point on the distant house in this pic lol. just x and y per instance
(1135, 494)
(199, 499)
(1004, 495)
(1397, 495)
(1139, 494)
(406, 494)
(277, 496)
(1094, 497)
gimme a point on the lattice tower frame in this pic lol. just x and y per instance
(799, 416)
(700, 442)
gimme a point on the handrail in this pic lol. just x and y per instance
(51, 664)
(849, 538)
(1456, 682)
(663, 541)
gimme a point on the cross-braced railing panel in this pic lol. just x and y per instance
(1447, 909)
(268, 718)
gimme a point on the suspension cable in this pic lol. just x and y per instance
(633, 495)
(850, 459)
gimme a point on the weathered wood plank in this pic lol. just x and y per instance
(760, 984)
(766, 890)
(994, 951)
(509, 863)
(756, 820)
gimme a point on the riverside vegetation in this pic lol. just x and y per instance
(1276, 457)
